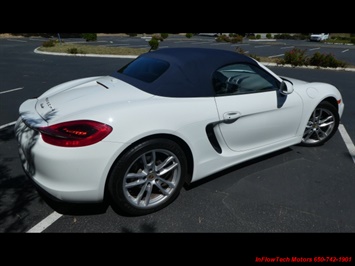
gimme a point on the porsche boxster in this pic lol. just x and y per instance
(169, 117)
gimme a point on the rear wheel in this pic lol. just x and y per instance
(321, 126)
(148, 177)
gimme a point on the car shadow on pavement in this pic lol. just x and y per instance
(236, 168)
(17, 195)
(69, 208)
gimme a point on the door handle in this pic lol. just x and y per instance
(231, 117)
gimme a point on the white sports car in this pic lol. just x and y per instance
(169, 117)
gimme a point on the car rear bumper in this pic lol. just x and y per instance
(67, 174)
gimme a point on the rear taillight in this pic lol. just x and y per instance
(75, 133)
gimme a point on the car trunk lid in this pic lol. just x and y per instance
(72, 97)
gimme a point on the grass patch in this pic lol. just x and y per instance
(74, 48)
(338, 41)
(93, 49)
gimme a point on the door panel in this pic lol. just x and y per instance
(254, 120)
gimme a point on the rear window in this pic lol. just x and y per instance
(145, 69)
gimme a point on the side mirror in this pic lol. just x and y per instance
(286, 88)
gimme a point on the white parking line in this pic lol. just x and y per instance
(261, 46)
(49, 220)
(10, 40)
(2, 92)
(8, 124)
(200, 42)
(278, 55)
(314, 49)
(241, 44)
(348, 142)
(183, 41)
(42, 225)
(219, 43)
(287, 47)
(46, 222)
(346, 50)
(37, 39)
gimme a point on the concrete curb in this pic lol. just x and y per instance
(309, 67)
(85, 55)
(135, 56)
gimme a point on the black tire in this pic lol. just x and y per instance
(321, 126)
(137, 187)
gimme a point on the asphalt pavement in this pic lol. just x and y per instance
(295, 190)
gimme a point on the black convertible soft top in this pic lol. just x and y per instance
(189, 72)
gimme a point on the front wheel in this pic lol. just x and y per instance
(148, 177)
(321, 126)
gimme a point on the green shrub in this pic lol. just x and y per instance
(301, 36)
(223, 38)
(257, 58)
(154, 44)
(340, 38)
(188, 35)
(241, 51)
(295, 57)
(164, 35)
(89, 37)
(258, 36)
(317, 59)
(268, 35)
(325, 60)
(73, 50)
(283, 36)
(158, 37)
(236, 38)
(49, 43)
(132, 34)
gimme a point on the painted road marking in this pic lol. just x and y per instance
(8, 124)
(261, 46)
(348, 142)
(11, 40)
(346, 50)
(242, 44)
(184, 41)
(287, 47)
(200, 42)
(41, 226)
(314, 49)
(45, 223)
(278, 55)
(2, 92)
(219, 43)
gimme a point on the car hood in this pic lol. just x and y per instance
(85, 94)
